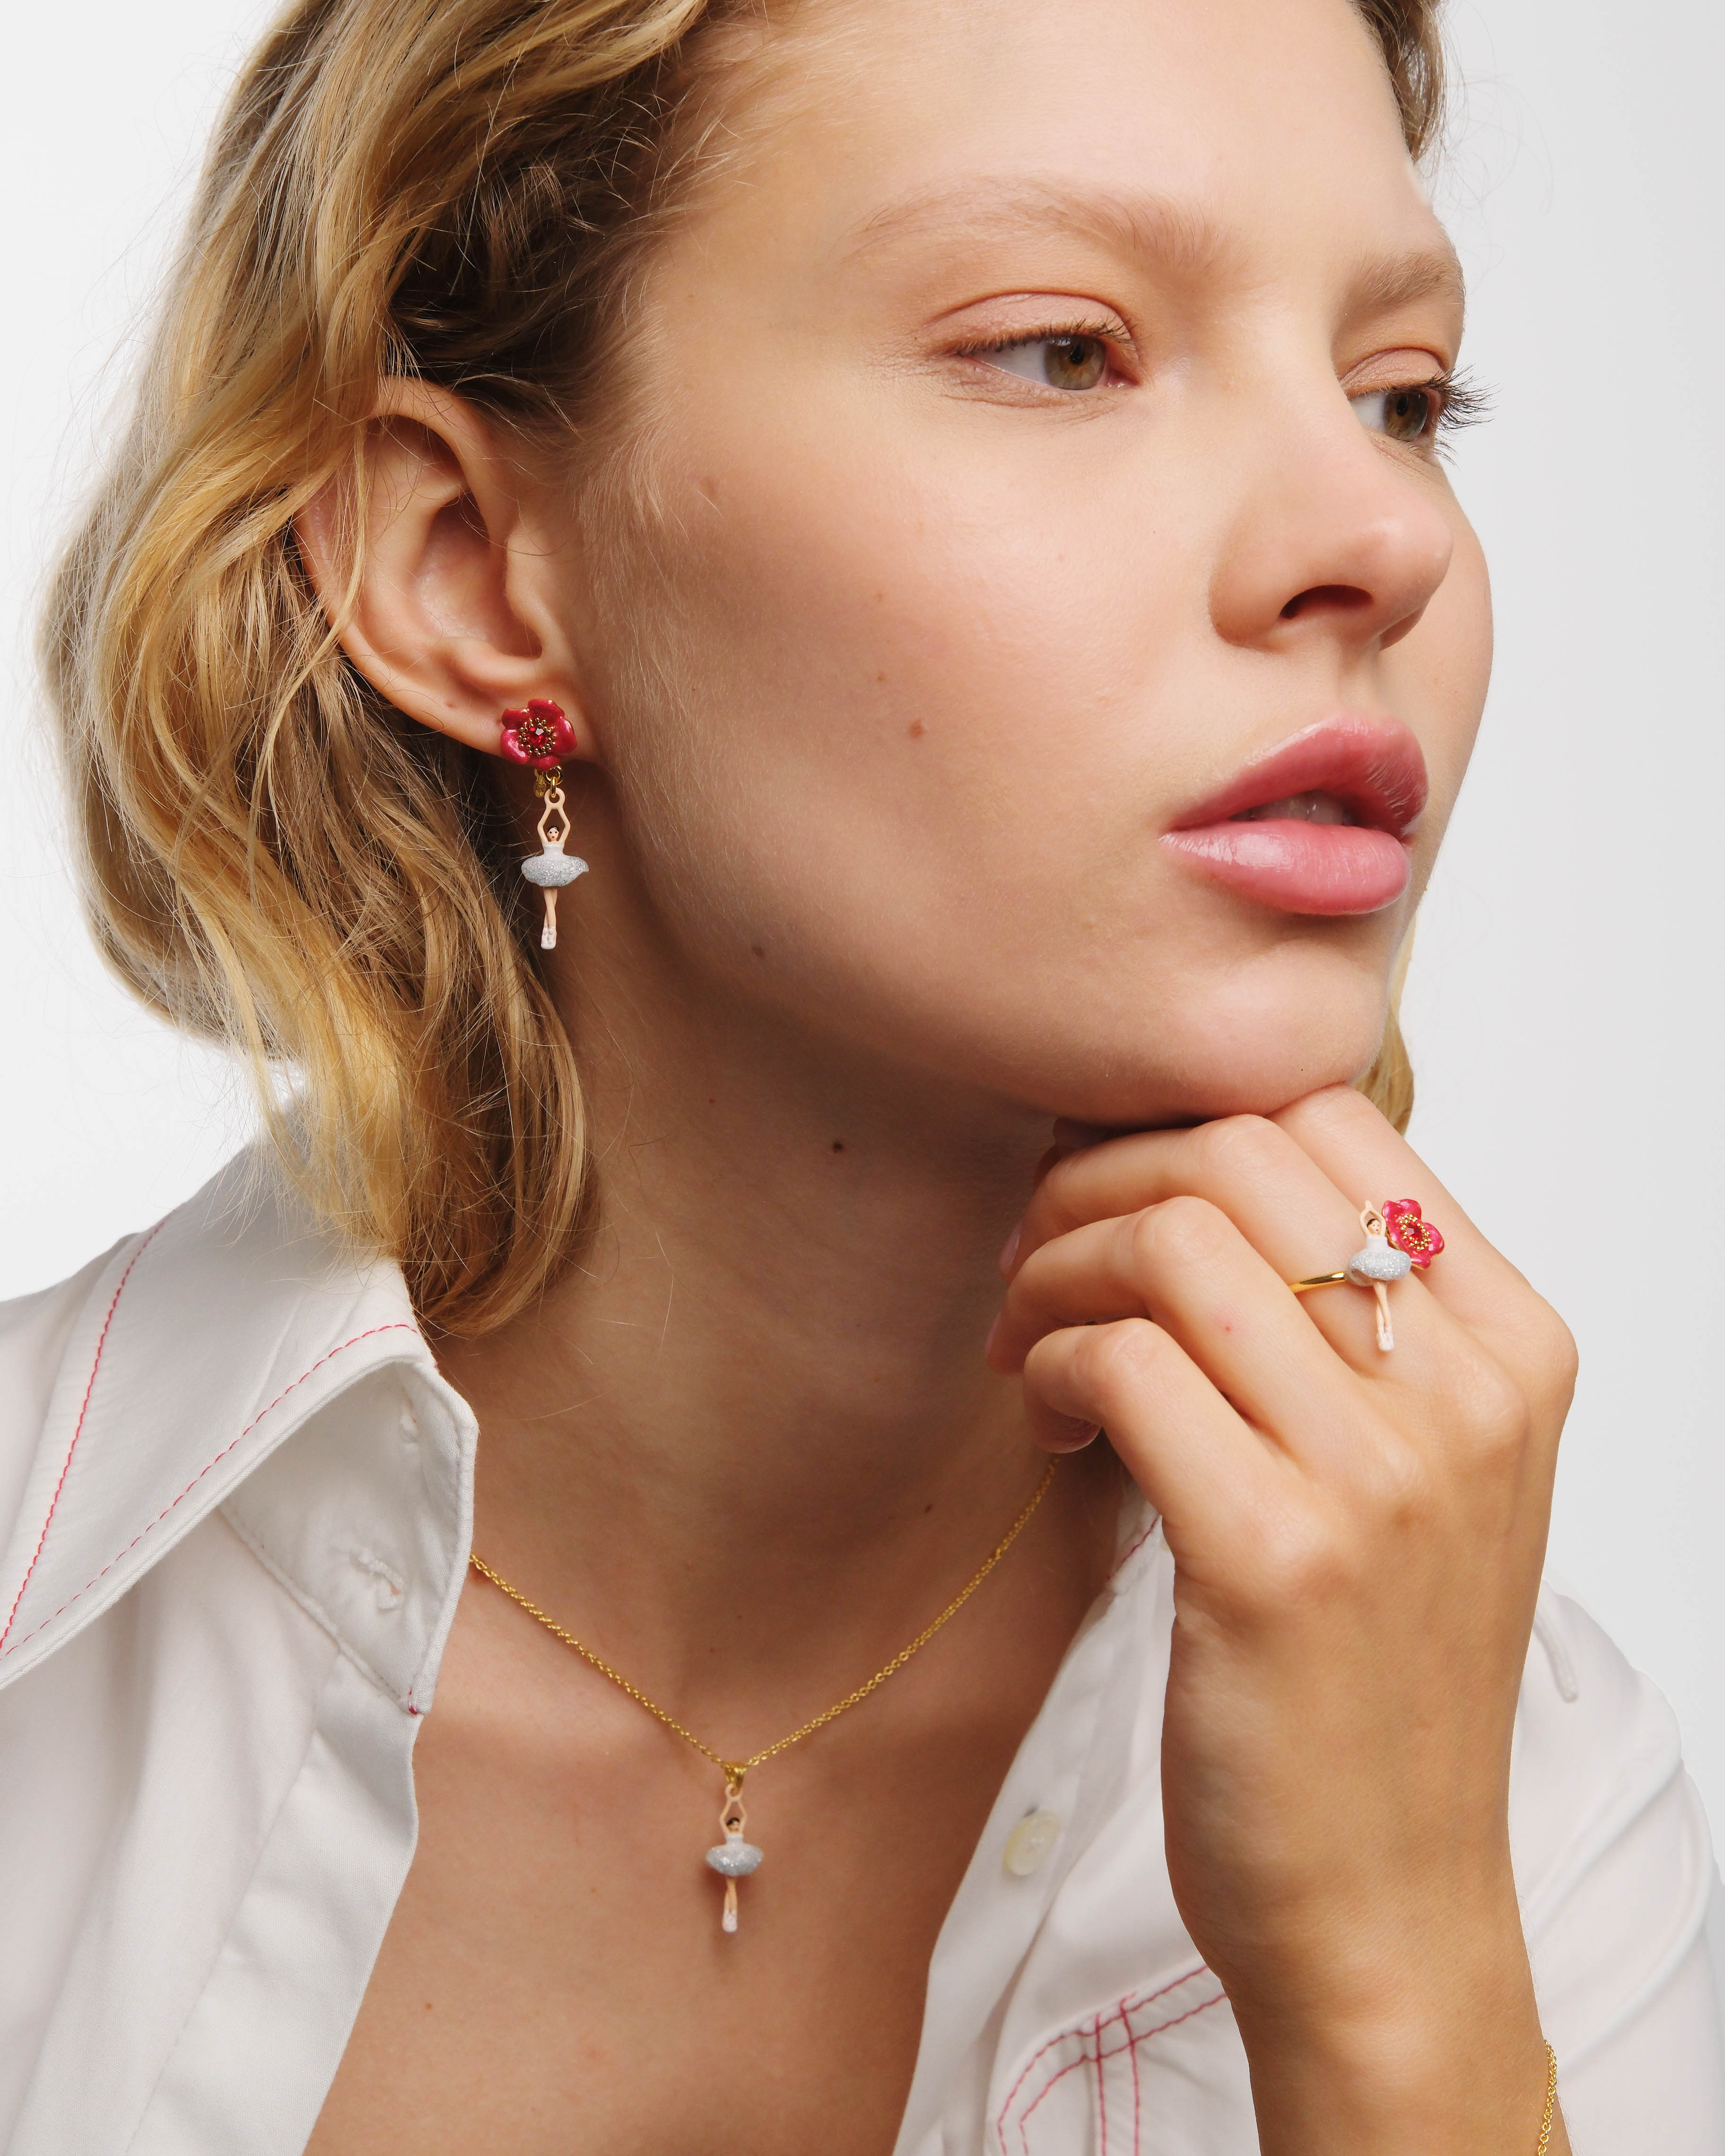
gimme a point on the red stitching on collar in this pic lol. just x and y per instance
(395, 1325)
(78, 1432)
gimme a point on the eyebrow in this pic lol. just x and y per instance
(1173, 233)
(1400, 280)
(1139, 224)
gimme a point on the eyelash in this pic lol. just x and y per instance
(1053, 333)
(1459, 399)
(1462, 399)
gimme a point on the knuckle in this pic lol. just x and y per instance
(1183, 1231)
(1244, 1149)
(1334, 1110)
(1111, 1364)
(1492, 1415)
(1055, 1207)
(1299, 1562)
(1557, 1358)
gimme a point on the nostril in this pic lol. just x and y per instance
(1326, 598)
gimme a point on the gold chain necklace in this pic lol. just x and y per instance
(735, 1858)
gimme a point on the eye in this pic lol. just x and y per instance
(1073, 360)
(1403, 415)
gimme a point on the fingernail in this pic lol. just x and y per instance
(1068, 1433)
(993, 1335)
(1010, 1249)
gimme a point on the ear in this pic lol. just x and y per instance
(435, 562)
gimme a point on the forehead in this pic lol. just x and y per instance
(1210, 132)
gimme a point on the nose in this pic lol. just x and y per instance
(1337, 537)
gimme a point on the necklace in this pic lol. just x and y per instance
(735, 1858)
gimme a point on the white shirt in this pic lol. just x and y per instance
(235, 1505)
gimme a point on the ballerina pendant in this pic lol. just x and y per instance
(733, 1858)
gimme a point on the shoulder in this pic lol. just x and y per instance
(1613, 1861)
(1595, 1745)
(1584, 1710)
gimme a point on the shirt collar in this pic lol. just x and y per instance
(202, 1347)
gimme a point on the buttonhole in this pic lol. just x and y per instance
(388, 1583)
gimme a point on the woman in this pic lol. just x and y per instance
(941, 508)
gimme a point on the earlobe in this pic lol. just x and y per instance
(433, 563)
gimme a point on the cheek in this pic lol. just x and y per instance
(923, 700)
(1446, 669)
(906, 725)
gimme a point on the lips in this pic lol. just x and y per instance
(1322, 825)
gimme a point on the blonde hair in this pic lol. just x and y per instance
(456, 190)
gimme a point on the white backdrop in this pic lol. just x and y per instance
(1564, 1006)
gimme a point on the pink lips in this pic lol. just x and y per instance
(1371, 766)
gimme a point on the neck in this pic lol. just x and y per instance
(754, 1415)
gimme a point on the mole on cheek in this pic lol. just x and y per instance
(916, 730)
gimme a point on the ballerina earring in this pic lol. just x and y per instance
(540, 738)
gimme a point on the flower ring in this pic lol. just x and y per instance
(1398, 1238)
(1407, 1230)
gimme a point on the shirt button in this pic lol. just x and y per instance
(1029, 1842)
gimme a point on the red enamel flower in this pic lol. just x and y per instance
(540, 735)
(1404, 1228)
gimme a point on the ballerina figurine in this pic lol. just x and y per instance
(551, 868)
(540, 737)
(1376, 1266)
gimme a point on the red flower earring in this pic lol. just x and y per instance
(540, 735)
(540, 738)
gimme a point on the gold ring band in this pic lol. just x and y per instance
(1319, 1280)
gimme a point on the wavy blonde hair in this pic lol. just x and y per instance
(459, 191)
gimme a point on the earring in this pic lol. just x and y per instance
(540, 738)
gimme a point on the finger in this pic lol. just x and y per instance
(1195, 1460)
(1343, 1134)
(1186, 1265)
(1284, 1203)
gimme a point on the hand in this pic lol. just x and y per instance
(1357, 1539)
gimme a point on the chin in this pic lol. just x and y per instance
(1226, 1060)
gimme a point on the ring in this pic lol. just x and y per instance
(1398, 1238)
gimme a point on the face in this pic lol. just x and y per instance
(1052, 648)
